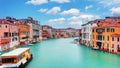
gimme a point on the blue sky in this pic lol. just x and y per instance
(60, 13)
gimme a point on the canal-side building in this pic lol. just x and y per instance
(97, 37)
(80, 35)
(54, 33)
(62, 33)
(13, 31)
(45, 34)
(34, 29)
(78, 32)
(112, 19)
(4, 35)
(103, 34)
(66, 33)
(8, 33)
(115, 43)
(24, 33)
(71, 32)
(106, 36)
(94, 24)
(114, 31)
(86, 33)
(47, 31)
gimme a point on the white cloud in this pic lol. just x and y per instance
(107, 3)
(71, 11)
(42, 10)
(110, 3)
(37, 2)
(74, 18)
(87, 17)
(54, 10)
(61, 1)
(115, 11)
(88, 7)
(57, 21)
(74, 21)
(77, 21)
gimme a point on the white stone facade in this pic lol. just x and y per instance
(86, 33)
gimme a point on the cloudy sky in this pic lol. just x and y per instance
(60, 13)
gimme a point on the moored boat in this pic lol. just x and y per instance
(17, 58)
(76, 41)
(29, 44)
(95, 48)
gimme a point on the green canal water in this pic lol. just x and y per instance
(62, 53)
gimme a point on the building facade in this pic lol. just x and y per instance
(14, 29)
(9, 33)
(86, 33)
(115, 44)
(24, 33)
(106, 36)
(35, 29)
(4, 35)
(47, 31)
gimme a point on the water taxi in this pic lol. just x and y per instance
(17, 58)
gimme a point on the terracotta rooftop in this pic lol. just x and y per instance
(113, 24)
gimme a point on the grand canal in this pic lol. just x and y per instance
(62, 53)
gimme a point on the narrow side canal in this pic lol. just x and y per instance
(62, 53)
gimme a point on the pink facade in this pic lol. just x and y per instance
(8, 33)
(115, 44)
(4, 35)
(14, 29)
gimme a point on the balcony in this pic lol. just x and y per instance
(4, 40)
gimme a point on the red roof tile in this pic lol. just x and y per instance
(113, 24)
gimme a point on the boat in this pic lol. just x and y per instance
(95, 48)
(76, 41)
(29, 44)
(17, 58)
(34, 42)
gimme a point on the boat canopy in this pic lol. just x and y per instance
(15, 52)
